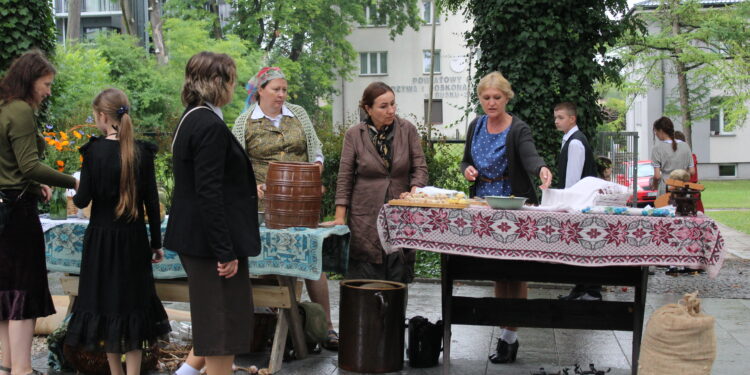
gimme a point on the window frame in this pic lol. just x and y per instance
(442, 113)
(720, 117)
(368, 17)
(425, 67)
(437, 15)
(734, 167)
(380, 56)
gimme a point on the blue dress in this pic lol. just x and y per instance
(490, 159)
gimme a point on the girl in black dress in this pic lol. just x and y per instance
(117, 309)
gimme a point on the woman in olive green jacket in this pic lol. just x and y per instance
(24, 180)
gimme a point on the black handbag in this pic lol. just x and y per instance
(425, 342)
(6, 207)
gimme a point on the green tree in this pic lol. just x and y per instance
(25, 24)
(704, 48)
(551, 51)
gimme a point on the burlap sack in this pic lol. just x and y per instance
(679, 339)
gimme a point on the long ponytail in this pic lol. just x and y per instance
(115, 103)
(665, 125)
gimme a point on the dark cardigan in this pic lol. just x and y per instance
(523, 160)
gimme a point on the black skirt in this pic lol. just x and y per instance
(117, 309)
(221, 309)
(24, 292)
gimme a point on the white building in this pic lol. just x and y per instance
(721, 153)
(404, 64)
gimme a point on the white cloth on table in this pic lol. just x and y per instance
(578, 196)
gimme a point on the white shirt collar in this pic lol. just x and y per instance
(258, 113)
(569, 134)
(216, 110)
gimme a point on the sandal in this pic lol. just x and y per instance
(332, 341)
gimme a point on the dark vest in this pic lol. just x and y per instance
(589, 165)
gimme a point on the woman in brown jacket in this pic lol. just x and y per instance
(382, 158)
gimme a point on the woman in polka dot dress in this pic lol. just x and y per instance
(500, 159)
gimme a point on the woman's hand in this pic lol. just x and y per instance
(47, 192)
(261, 190)
(334, 222)
(228, 269)
(471, 173)
(546, 176)
(157, 256)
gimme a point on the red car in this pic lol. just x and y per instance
(646, 195)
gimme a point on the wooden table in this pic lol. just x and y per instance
(575, 248)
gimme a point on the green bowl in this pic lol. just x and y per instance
(505, 203)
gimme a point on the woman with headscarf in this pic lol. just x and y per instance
(273, 130)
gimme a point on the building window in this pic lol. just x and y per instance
(427, 13)
(373, 17)
(437, 111)
(426, 61)
(719, 123)
(727, 170)
(90, 33)
(373, 63)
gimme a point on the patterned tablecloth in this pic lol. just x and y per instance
(556, 237)
(297, 252)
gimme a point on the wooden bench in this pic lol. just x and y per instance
(273, 296)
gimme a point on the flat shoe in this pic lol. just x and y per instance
(332, 342)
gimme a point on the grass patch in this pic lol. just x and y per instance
(726, 194)
(739, 220)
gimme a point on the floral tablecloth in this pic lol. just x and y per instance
(556, 237)
(297, 252)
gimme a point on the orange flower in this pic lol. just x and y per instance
(77, 134)
(63, 136)
(80, 157)
(60, 163)
(64, 143)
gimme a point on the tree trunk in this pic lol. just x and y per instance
(154, 11)
(298, 41)
(214, 8)
(74, 22)
(127, 18)
(682, 85)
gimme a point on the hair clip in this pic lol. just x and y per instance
(122, 110)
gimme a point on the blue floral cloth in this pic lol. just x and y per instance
(296, 252)
(490, 159)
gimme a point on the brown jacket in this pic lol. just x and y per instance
(364, 182)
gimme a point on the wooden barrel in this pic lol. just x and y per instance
(293, 195)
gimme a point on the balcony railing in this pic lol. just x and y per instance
(88, 6)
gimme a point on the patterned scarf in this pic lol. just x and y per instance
(382, 140)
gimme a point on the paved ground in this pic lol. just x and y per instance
(552, 349)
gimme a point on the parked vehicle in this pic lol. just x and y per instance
(646, 195)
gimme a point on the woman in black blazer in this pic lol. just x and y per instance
(213, 221)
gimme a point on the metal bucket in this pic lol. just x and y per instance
(371, 326)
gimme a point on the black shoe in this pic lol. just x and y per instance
(673, 271)
(504, 352)
(590, 296)
(572, 296)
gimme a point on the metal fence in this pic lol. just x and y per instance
(622, 149)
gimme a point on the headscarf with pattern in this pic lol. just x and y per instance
(264, 75)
